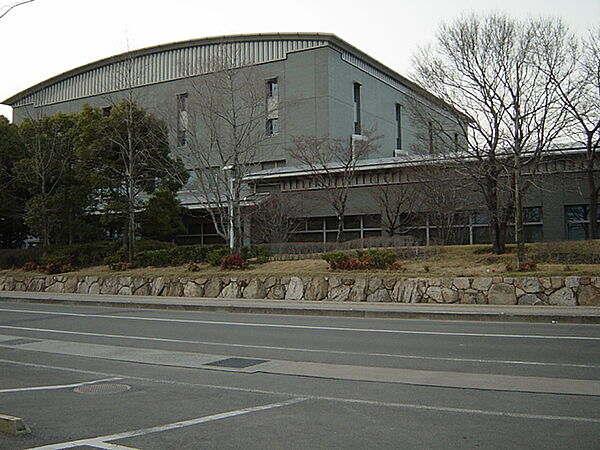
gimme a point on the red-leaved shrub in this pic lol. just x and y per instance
(233, 262)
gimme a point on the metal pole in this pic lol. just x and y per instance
(231, 243)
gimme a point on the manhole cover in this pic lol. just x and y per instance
(237, 363)
(106, 388)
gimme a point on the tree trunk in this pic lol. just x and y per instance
(593, 191)
(340, 229)
(519, 235)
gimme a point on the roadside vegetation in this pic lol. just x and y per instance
(163, 259)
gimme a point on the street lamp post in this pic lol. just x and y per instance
(229, 170)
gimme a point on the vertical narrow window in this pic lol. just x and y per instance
(456, 142)
(357, 121)
(398, 126)
(272, 88)
(182, 119)
(430, 136)
(272, 106)
(272, 127)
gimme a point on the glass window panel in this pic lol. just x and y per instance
(372, 221)
(351, 222)
(532, 214)
(314, 223)
(534, 233)
(331, 223)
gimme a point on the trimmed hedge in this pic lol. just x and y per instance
(360, 259)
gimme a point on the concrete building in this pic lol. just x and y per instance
(313, 85)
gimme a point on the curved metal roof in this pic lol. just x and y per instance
(194, 57)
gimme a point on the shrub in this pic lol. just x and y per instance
(53, 268)
(193, 267)
(258, 252)
(334, 259)
(29, 266)
(155, 258)
(353, 264)
(528, 266)
(81, 255)
(234, 262)
(120, 266)
(379, 259)
(19, 256)
(396, 266)
(362, 260)
(215, 256)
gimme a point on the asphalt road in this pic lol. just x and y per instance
(155, 379)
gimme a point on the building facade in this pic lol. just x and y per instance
(312, 85)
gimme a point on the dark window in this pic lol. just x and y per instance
(532, 214)
(398, 126)
(182, 119)
(577, 218)
(272, 127)
(106, 111)
(272, 88)
(430, 136)
(357, 121)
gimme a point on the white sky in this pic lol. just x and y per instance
(47, 37)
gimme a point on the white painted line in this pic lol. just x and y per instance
(59, 386)
(296, 349)
(333, 399)
(313, 327)
(107, 446)
(169, 426)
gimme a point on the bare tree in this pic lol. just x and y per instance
(574, 69)
(464, 70)
(277, 218)
(221, 126)
(331, 164)
(487, 67)
(396, 202)
(442, 199)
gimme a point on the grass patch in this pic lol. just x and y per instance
(562, 258)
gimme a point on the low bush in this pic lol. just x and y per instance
(234, 261)
(334, 259)
(379, 259)
(259, 253)
(120, 266)
(17, 257)
(215, 256)
(154, 258)
(193, 267)
(360, 260)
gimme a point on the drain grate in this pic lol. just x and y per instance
(105, 388)
(237, 363)
(19, 341)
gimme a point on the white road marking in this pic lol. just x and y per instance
(58, 386)
(296, 349)
(312, 327)
(169, 426)
(107, 445)
(332, 399)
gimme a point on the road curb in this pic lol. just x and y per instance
(349, 311)
(13, 425)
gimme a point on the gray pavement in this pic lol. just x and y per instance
(86, 376)
(501, 313)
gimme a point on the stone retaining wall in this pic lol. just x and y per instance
(564, 291)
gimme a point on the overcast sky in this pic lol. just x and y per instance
(47, 37)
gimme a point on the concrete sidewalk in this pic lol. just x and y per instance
(497, 313)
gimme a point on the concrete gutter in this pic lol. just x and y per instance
(493, 313)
